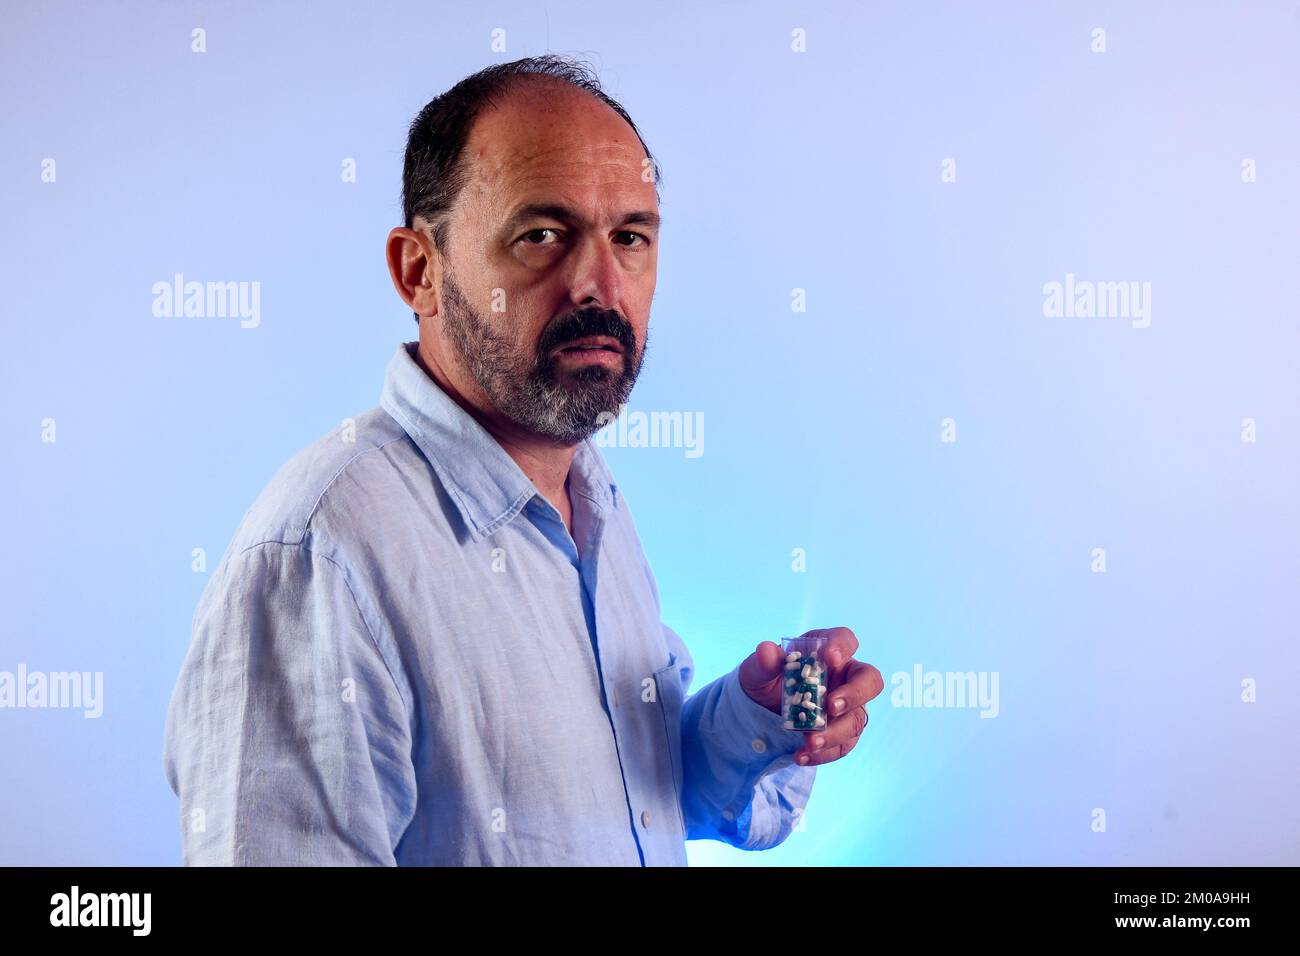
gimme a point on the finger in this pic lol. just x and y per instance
(762, 667)
(841, 645)
(863, 682)
(762, 673)
(838, 739)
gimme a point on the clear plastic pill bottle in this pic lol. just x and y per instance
(805, 683)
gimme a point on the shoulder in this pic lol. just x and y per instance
(325, 486)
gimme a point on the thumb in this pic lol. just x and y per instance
(761, 673)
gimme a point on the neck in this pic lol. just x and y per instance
(545, 463)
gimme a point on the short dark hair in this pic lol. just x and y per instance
(433, 173)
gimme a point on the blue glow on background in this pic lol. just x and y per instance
(817, 171)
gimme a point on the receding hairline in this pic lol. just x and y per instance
(549, 88)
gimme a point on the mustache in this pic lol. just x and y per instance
(589, 321)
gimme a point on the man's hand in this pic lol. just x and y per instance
(849, 686)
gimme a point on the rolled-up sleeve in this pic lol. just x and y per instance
(288, 739)
(740, 782)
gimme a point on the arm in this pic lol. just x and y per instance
(288, 739)
(741, 785)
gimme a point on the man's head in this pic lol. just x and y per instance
(531, 208)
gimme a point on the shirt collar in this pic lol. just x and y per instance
(482, 480)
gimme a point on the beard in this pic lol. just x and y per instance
(528, 387)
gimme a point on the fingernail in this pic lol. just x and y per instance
(837, 705)
(818, 741)
(803, 758)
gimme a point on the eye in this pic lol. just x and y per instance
(645, 241)
(536, 232)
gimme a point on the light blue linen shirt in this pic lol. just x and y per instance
(404, 658)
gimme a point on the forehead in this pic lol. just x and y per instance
(543, 142)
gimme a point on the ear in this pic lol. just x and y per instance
(415, 268)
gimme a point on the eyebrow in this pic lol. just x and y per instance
(535, 210)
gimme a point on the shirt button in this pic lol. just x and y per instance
(645, 818)
(758, 745)
(728, 815)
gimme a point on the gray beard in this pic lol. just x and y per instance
(528, 390)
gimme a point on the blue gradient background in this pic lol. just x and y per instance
(818, 171)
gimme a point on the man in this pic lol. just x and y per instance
(435, 638)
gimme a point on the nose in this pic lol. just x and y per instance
(597, 275)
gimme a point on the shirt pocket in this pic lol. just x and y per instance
(668, 691)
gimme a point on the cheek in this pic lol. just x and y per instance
(527, 320)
